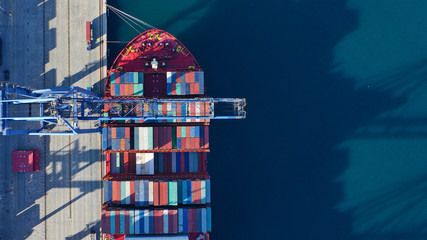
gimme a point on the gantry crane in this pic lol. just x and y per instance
(61, 109)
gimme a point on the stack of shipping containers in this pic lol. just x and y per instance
(156, 178)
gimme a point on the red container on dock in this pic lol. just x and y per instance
(25, 161)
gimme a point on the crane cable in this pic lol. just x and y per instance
(127, 22)
(128, 18)
(132, 17)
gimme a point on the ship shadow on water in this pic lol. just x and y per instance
(282, 172)
(385, 181)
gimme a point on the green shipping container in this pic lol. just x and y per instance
(135, 77)
(174, 137)
(173, 193)
(150, 138)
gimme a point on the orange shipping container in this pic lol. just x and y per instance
(156, 193)
(127, 132)
(122, 144)
(163, 193)
(189, 77)
(113, 132)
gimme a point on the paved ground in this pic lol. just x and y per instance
(44, 46)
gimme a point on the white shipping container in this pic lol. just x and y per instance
(144, 163)
(141, 138)
(165, 221)
(203, 191)
(117, 162)
(127, 192)
(150, 193)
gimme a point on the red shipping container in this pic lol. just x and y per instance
(188, 143)
(178, 131)
(197, 142)
(190, 220)
(126, 161)
(182, 165)
(117, 221)
(132, 163)
(107, 162)
(122, 89)
(183, 143)
(192, 89)
(127, 89)
(132, 192)
(106, 222)
(155, 138)
(132, 89)
(127, 132)
(158, 223)
(187, 131)
(196, 88)
(156, 193)
(178, 109)
(127, 225)
(205, 108)
(117, 77)
(113, 89)
(116, 192)
(164, 200)
(189, 77)
(173, 221)
(194, 143)
(113, 132)
(164, 109)
(206, 137)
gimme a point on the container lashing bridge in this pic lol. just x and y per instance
(61, 109)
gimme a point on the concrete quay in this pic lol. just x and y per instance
(43, 46)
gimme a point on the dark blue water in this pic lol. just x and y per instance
(333, 145)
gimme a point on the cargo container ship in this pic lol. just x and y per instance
(156, 184)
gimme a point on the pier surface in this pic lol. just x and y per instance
(44, 46)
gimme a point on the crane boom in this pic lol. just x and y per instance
(61, 109)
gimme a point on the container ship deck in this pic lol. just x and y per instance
(156, 183)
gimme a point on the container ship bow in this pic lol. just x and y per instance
(156, 184)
